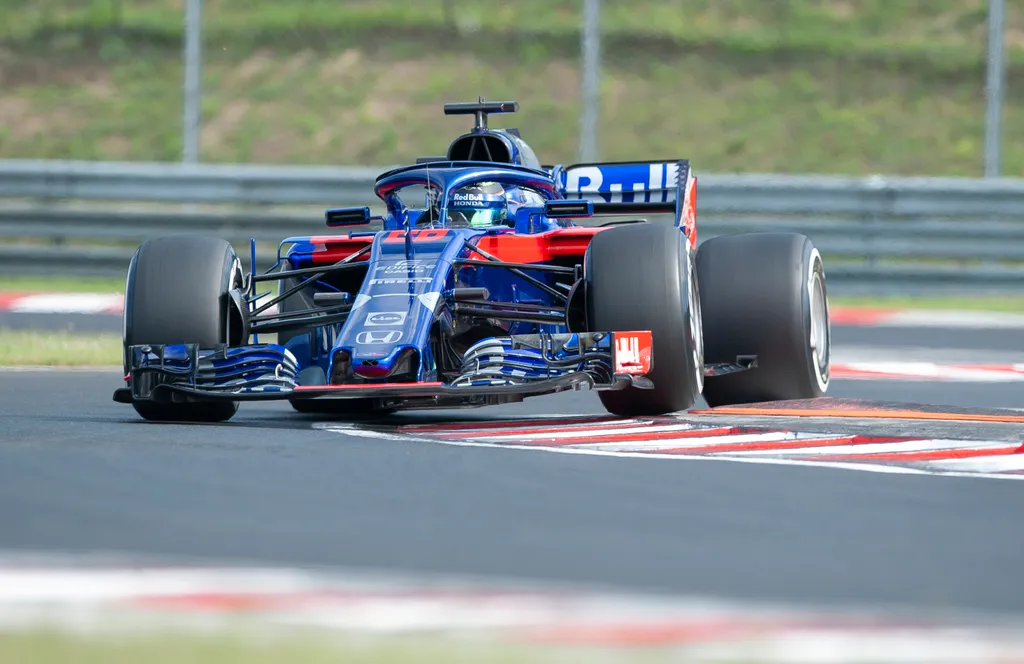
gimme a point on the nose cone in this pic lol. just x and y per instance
(384, 342)
(387, 335)
(381, 337)
(400, 363)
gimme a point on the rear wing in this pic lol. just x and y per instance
(633, 187)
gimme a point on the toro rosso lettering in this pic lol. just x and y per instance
(406, 266)
(426, 235)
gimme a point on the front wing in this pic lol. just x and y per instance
(496, 370)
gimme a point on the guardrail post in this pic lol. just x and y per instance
(879, 194)
(193, 80)
(590, 62)
(994, 87)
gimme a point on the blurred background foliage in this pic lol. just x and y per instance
(830, 86)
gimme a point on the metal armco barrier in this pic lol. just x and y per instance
(878, 235)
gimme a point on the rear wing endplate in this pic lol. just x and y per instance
(634, 187)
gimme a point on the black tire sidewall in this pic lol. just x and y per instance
(755, 289)
(637, 278)
(177, 292)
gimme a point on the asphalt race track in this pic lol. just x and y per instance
(79, 473)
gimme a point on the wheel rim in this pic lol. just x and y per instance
(696, 325)
(819, 332)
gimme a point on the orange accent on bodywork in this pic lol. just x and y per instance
(632, 352)
(362, 386)
(690, 211)
(422, 235)
(536, 248)
(333, 248)
(540, 247)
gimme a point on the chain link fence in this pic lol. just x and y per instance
(830, 86)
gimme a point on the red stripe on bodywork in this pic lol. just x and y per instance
(689, 220)
(539, 247)
(337, 247)
(534, 248)
(362, 386)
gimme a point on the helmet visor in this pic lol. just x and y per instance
(484, 217)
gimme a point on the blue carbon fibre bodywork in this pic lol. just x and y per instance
(256, 368)
(526, 358)
(400, 298)
(399, 313)
(405, 293)
(447, 177)
(627, 182)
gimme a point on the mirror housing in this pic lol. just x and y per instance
(569, 209)
(352, 216)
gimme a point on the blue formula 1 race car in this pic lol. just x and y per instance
(482, 289)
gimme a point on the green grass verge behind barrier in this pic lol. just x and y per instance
(826, 86)
(58, 349)
(61, 284)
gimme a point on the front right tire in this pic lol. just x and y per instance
(641, 277)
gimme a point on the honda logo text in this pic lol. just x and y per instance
(373, 337)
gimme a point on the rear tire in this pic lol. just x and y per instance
(641, 277)
(177, 292)
(764, 294)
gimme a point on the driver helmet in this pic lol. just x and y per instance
(478, 205)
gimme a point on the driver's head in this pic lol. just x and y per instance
(478, 205)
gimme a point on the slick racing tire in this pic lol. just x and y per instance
(177, 292)
(642, 278)
(764, 294)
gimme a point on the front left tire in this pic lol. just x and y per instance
(177, 292)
